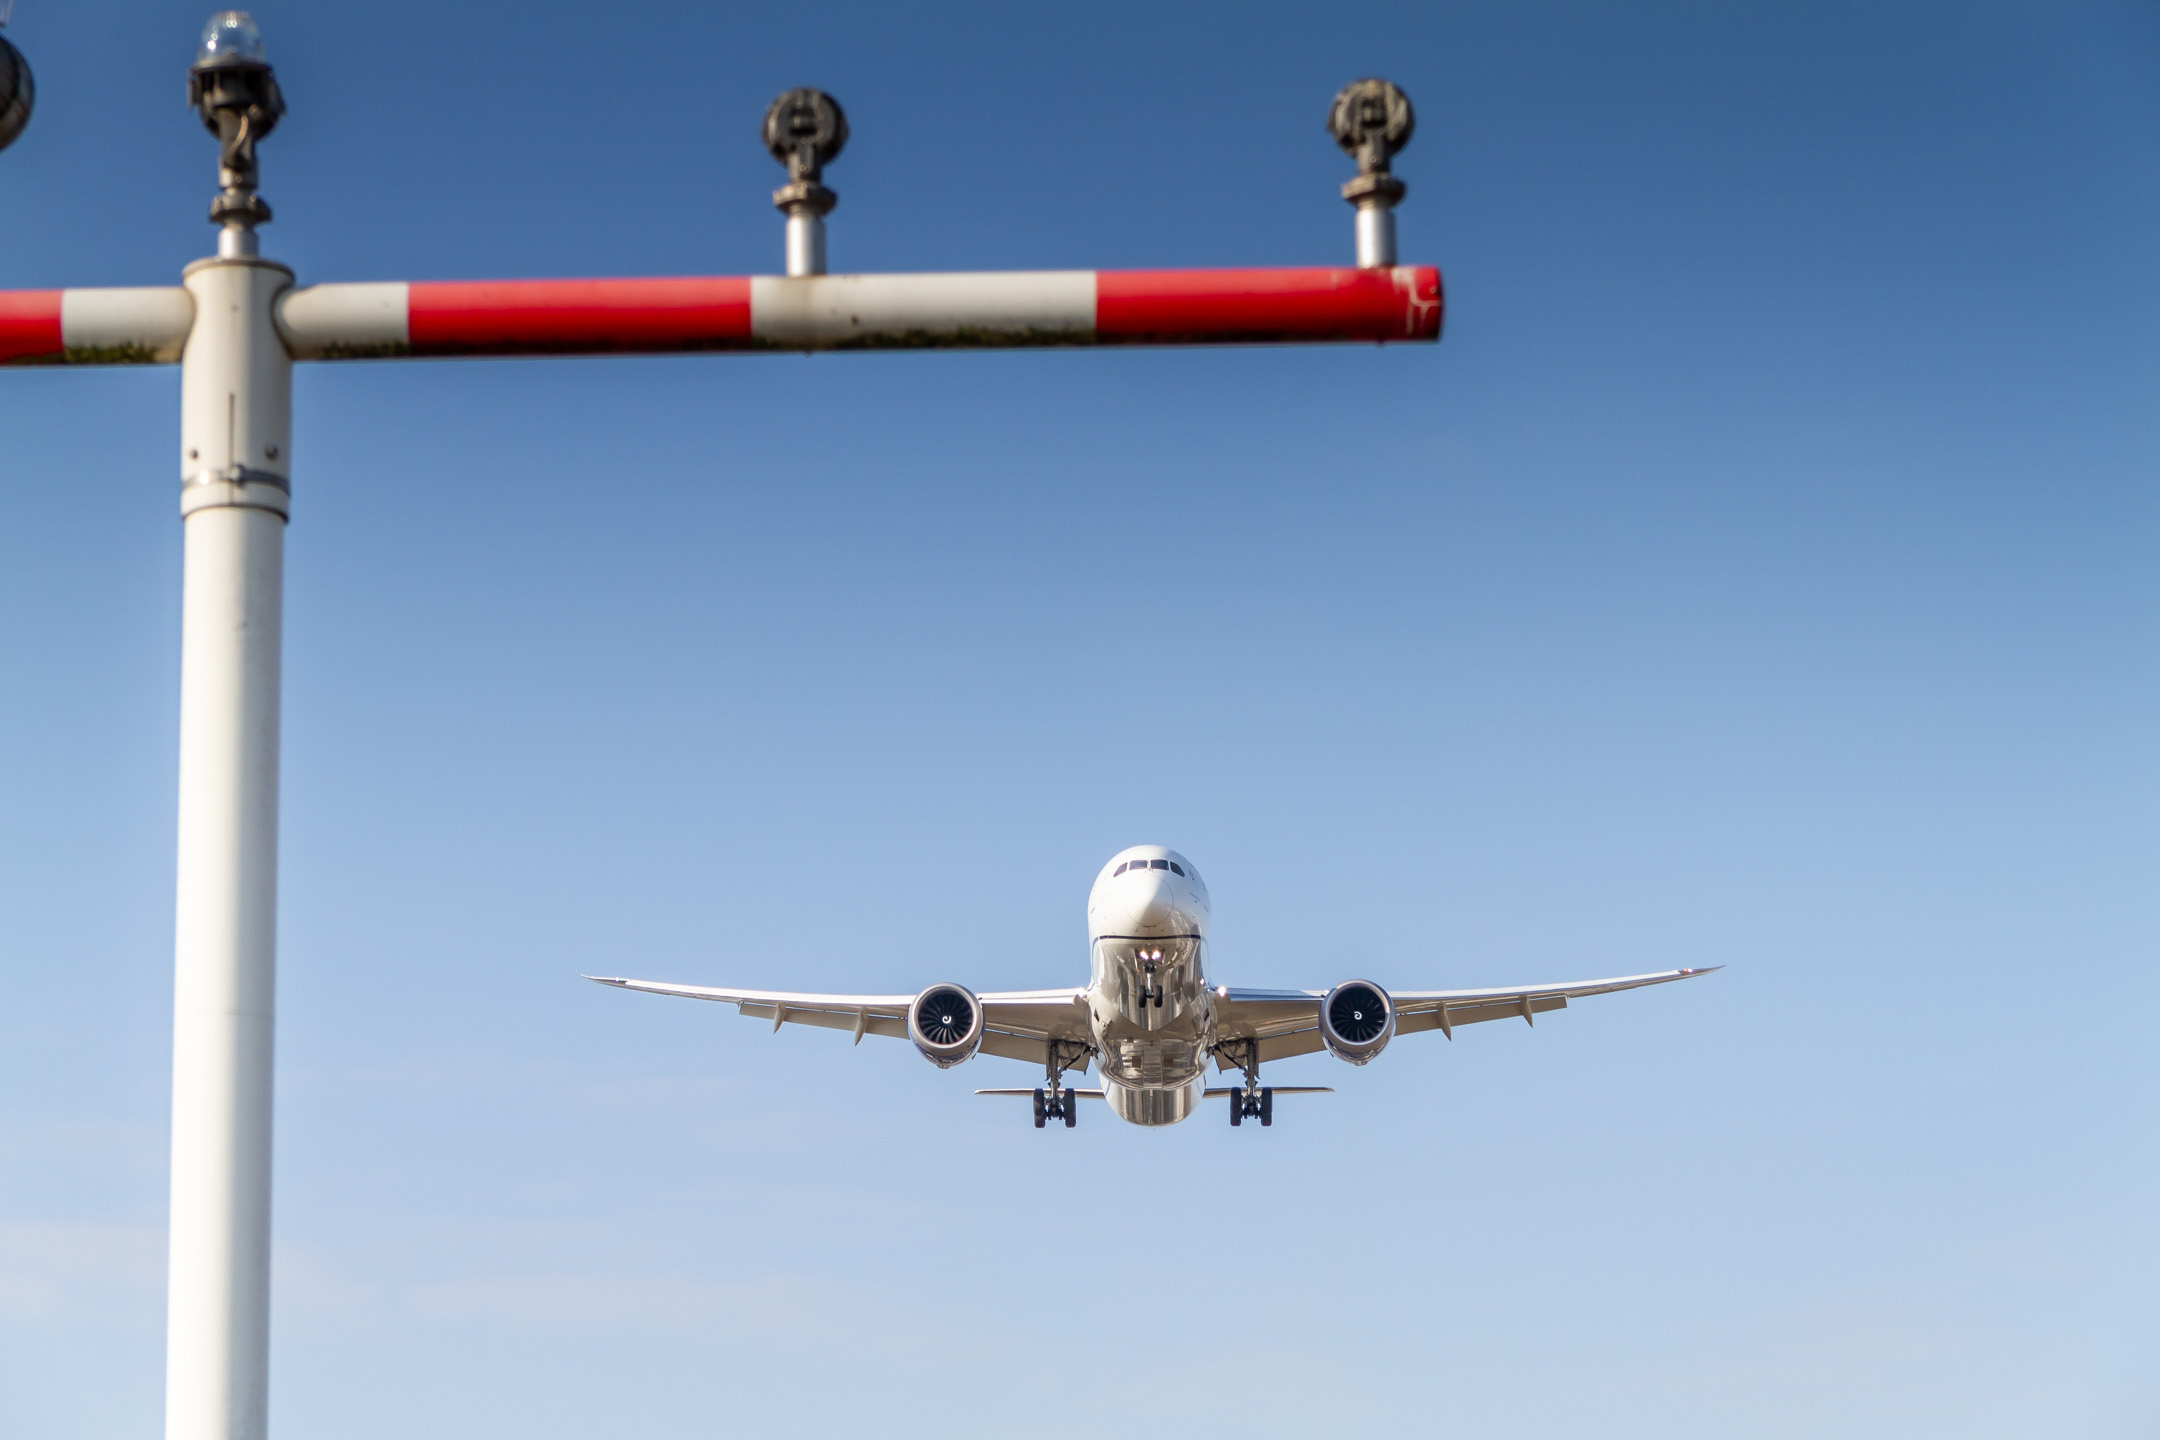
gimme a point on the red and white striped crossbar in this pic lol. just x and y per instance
(826, 312)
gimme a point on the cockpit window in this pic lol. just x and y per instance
(1171, 865)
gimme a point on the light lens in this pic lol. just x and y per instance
(231, 39)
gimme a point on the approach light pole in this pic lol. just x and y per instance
(235, 439)
(237, 323)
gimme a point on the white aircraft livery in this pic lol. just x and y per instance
(1148, 1020)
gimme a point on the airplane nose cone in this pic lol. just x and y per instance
(1152, 907)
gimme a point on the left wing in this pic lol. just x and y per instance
(1018, 1024)
(1287, 1022)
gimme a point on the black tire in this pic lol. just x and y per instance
(1040, 1112)
(1267, 1105)
(1072, 1110)
(1237, 1108)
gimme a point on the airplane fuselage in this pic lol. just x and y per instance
(1151, 1013)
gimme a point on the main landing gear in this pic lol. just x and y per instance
(1255, 1101)
(1058, 1104)
(1054, 1100)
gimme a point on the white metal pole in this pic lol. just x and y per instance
(805, 242)
(1375, 233)
(235, 437)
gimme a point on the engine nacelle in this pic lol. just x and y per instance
(1356, 1021)
(946, 1024)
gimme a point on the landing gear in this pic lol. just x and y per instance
(1254, 1101)
(1054, 1100)
(1151, 987)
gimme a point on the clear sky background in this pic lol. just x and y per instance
(1760, 572)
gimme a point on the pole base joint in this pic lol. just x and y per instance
(1376, 189)
(804, 197)
(241, 207)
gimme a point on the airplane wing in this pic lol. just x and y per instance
(1287, 1022)
(1018, 1024)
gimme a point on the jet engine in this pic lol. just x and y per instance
(946, 1024)
(1356, 1021)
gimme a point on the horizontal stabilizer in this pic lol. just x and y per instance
(1279, 1090)
(1043, 1089)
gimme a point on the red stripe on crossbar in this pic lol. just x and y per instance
(30, 325)
(1198, 307)
(573, 317)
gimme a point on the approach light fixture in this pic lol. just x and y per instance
(1372, 120)
(805, 129)
(233, 87)
(17, 91)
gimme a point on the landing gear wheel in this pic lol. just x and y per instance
(1072, 1110)
(1237, 1108)
(1267, 1105)
(1041, 1111)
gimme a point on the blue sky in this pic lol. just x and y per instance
(1758, 573)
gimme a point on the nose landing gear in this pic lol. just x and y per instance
(1151, 986)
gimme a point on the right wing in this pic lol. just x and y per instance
(1287, 1022)
(1018, 1024)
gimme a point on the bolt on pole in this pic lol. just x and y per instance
(235, 437)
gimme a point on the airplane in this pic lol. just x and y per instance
(1148, 1019)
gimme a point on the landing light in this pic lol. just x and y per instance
(231, 38)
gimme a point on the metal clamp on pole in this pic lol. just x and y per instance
(1372, 120)
(805, 129)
